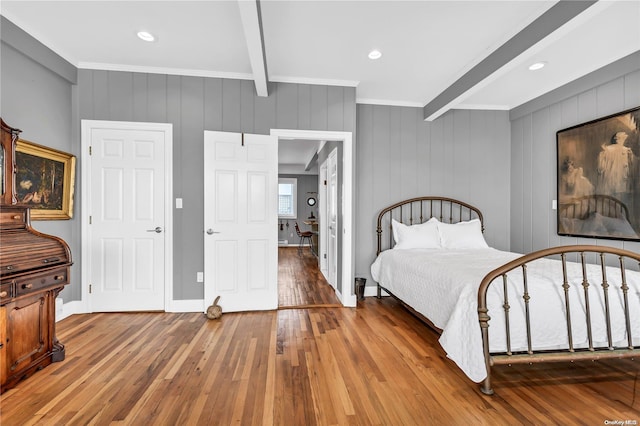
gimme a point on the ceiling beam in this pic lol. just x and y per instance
(313, 162)
(252, 26)
(550, 21)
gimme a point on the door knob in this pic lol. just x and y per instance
(157, 230)
(211, 231)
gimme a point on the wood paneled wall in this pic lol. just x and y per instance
(533, 156)
(195, 104)
(38, 101)
(464, 154)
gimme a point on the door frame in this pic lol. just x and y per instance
(87, 127)
(347, 295)
(331, 159)
(322, 213)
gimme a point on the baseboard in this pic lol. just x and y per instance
(372, 290)
(64, 310)
(192, 305)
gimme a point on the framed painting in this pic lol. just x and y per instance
(599, 178)
(45, 180)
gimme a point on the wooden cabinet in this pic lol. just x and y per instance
(34, 268)
(7, 164)
(27, 336)
(27, 324)
(3, 339)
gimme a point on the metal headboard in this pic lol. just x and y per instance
(419, 210)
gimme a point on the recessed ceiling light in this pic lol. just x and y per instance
(375, 54)
(537, 66)
(146, 36)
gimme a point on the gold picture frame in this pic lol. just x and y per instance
(45, 180)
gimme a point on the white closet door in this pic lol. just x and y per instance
(127, 219)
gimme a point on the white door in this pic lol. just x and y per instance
(322, 213)
(332, 216)
(241, 221)
(127, 221)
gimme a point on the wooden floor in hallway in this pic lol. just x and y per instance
(300, 282)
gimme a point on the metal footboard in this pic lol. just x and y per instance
(607, 257)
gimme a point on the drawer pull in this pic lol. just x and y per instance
(27, 286)
(3, 294)
(58, 277)
(51, 259)
(17, 217)
(8, 267)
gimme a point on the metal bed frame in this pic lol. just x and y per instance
(421, 209)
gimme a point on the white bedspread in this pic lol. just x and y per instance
(443, 286)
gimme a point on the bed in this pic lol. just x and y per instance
(495, 307)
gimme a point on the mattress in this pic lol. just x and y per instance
(443, 286)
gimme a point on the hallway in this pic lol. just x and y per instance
(300, 282)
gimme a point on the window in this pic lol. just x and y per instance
(287, 198)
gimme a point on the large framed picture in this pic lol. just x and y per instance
(45, 180)
(599, 178)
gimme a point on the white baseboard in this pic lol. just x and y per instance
(64, 310)
(67, 309)
(373, 291)
(192, 305)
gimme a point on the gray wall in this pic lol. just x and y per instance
(534, 125)
(507, 170)
(463, 154)
(39, 100)
(47, 97)
(195, 104)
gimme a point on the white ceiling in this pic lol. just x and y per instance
(427, 46)
(298, 156)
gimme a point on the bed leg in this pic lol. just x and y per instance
(379, 295)
(485, 387)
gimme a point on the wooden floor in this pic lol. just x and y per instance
(300, 282)
(374, 365)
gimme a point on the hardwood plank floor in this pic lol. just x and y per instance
(376, 364)
(300, 282)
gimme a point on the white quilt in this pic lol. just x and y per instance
(443, 286)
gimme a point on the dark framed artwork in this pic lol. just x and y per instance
(599, 178)
(45, 180)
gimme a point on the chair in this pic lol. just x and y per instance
(303, 236)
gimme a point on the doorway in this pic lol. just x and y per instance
(344, 289)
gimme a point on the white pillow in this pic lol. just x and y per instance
(424, 235)
(462, 235)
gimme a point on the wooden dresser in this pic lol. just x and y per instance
(34, 268)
